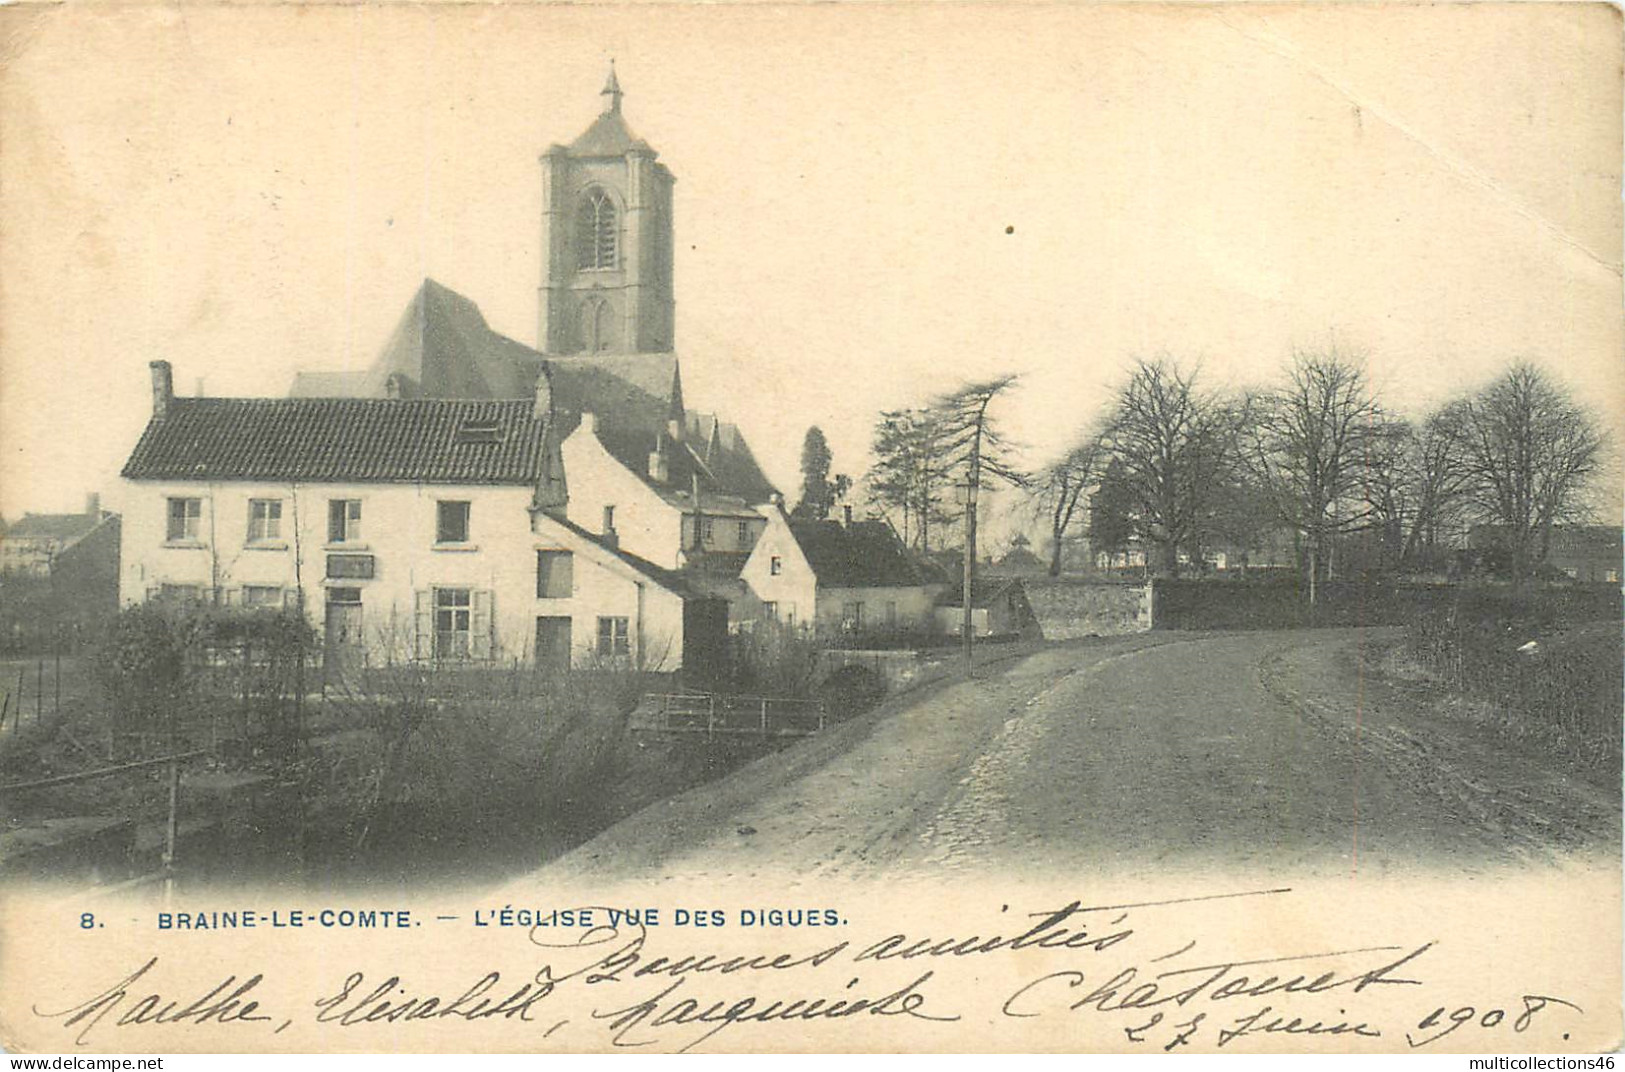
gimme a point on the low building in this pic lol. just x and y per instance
(999, 608)
(45, 544)
(837, 578)
(58, 577)
(409, 529)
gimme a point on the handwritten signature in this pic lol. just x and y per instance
(609, 979)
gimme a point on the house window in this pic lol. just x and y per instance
(775, 565)
(343, 520)
(891, 615)
(614, 637)
(851, 617)
(264, 520)
(744, 535)
(184, 516)
(262, 595)
(451, 524)
(770, 610)
(609, 520)
(555, 574)
(180, 593)
(452, 623)
(708, 530)
(596, 234)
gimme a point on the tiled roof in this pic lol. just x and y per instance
(341, 439)
(864, 554)
(670, 580)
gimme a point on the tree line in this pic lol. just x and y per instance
(1176, 468)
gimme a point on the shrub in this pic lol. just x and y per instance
(851, 690)
(1564, 693)
(155, 660)
(774, 659)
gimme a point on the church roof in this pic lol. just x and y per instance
(330, 440)
(608, 136)
(443, 348)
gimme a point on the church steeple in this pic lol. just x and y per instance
(612, 90)
(606, 241)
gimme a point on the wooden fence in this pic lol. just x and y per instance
(713, 715)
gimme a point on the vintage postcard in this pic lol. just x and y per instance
(929, 527)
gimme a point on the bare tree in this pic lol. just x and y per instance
(1060, 487)
(909, 477)
(1173, 442)
(1527, 453)
(1313, 445)
(1417, 501)
(973, 449)
(968, 442)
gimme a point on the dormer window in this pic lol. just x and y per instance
(479, 430)
(597, 238)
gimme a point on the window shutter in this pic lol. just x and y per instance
(423, 633)
(480, 625)
(335, 520)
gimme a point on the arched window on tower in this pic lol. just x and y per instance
(597, 326)
(596, 236)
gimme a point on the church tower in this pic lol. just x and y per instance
(606, 242)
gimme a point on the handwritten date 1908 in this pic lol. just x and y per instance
(1444, 1020)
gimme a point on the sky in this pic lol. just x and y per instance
(874, 203)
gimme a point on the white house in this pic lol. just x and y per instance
(408, 528)
(468, 496)
(838, 577)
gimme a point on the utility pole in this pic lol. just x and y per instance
(967, 620)
(973, 480)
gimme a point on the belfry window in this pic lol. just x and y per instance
(596, 236)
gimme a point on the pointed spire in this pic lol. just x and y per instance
(612, 90)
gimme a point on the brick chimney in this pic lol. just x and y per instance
(163, 387)
(93, 505)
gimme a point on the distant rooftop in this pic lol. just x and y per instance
(864, 554)
(63, 527)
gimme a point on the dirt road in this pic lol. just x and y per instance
(1141, 755)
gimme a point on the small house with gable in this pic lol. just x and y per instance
(838, 578)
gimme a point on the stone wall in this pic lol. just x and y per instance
(1068, 609)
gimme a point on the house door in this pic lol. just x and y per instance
(552, 643)
(344, 647)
